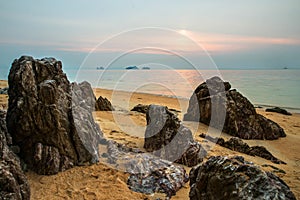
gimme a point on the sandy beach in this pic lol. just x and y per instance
(99, 181)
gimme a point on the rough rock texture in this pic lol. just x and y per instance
(13, 183)
(140, 108)
(278, 110)
(103, 104)
(235, 179)
(236, 144)
(50, 119)
(167, 138)
(214, 104)
(148, 174)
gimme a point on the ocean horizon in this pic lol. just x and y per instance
(266, 88)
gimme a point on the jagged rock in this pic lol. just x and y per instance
(50, 119)
(148, 174)
(13, 182)
(140, 108)
(234, 179)
(103, 104)
(278, 110)
(214, 104)
(168, 138)
(3, 90)
(236, 144)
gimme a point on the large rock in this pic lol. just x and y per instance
(13, 183)
(50, 119)
(214, 104)
(237, 144)
(235, 179)
(278, 110)
(148, 174)
(169, 139)
(103, 104)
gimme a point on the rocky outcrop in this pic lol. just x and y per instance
(169, 139)
(49, 118)
(103, 104)
(236, 144)
(214, 104)
(233, 179)
(148, 174)
(140, 108)
(13, 183)
(278, 110)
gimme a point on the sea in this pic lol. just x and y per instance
(265, 88)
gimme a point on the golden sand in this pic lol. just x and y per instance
(102, 182)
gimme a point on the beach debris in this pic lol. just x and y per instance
(168, 138)
(234, 178)
(237, 144)
(215, 104)
(148, 173)
(103, 104)
(50, 119)
(140, 108)
(13, 182)
(4, 90)
(278, 110)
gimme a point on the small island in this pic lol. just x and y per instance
(146, 68)
(131, 67)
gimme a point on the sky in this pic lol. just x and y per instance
(248, 34)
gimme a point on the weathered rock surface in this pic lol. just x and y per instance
(148, 174)
(140, 108)
(50, 119)
(168, 138)
(278, 110)
(236, 144)
(13, 183)
(103, 104)
(214, 104)
(234, 179)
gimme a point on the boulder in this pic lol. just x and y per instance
(169, 139)
(49, 118)
(278, 110)
(214, 104)
(148, 174)
(3, 90)
(233, 179)
(237, 144)
(13, 182)
(140, 108)
(103, 104)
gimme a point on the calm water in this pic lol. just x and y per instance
(261, 87)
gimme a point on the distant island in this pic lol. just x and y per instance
(146, 68)
(132, 67)
(100, 68)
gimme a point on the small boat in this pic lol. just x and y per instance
(100, 68)
(285, 68)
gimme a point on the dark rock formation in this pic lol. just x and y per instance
(140, 108)
(148, 174)
(13, 183)
(3, 90)
(50, 119)
(278, 110)
(214, 104)
(103, 104)
(236, 144)
(234, 179)
(167, 138)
